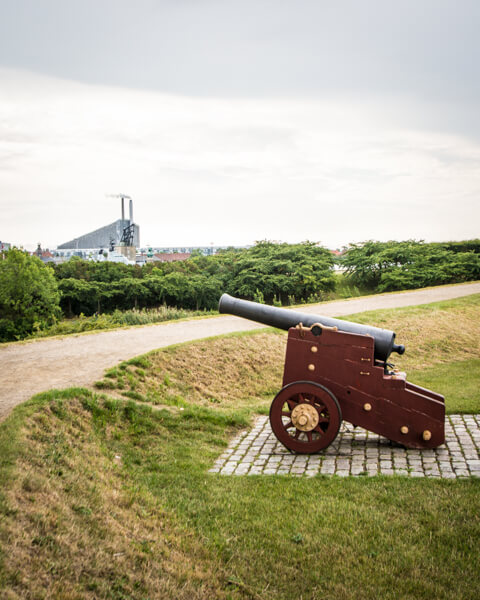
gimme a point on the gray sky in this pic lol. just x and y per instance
(230, 121)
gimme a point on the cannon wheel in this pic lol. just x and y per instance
(305, 416)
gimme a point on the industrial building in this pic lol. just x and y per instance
(121, 233)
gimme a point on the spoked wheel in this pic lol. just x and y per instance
(305, 416)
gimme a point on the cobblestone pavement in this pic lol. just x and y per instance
(356, 452)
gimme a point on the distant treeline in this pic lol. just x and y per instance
(389, 266)
(267, 272)
(279, 274)
(34, 295)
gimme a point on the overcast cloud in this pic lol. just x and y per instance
(231, 121)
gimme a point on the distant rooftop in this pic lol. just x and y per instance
(171, 256)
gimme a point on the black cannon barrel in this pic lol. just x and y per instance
(285, 318)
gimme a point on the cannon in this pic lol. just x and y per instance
(338, 370)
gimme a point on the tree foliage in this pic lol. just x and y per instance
(388, 266)
(29, 297)
(267, 272)
(280, 273)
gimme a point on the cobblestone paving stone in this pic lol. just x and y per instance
(356, 452)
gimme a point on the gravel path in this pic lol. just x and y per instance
(27, 368)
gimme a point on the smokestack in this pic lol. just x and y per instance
(123, 209)
(131, 211)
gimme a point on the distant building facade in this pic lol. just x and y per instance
(105, 237)
(43, 255)
(205, 250)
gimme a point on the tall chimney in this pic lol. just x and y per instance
(123, 210)
(131, 211)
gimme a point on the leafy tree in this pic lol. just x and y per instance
(388, 266)
(178, 290)
(134, 290)
(78, 296)
(282, 271)
(206, 291)
(463, 246)
(75, 268)
(29, 297)
(108, 272)
(156, 289)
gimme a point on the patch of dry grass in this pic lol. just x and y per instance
(432, 333)
(76, 528)
(225, 372)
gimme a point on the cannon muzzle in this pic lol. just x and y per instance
(285, 318)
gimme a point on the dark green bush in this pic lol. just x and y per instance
(29, 298)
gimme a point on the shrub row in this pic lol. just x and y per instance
(274, 273)
(389, 266)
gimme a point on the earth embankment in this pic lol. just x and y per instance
(28, 368)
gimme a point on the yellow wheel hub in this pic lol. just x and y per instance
(305, 417)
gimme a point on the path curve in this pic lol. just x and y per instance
(31, 367)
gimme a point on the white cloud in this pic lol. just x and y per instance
(227, 171)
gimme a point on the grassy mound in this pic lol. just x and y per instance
(75, 524)
(234, 372)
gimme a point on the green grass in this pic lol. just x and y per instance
(459, 382)
(271, 537)
(326, 538)
(104, 498)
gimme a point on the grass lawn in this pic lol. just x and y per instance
(459, 382)
(111, 498)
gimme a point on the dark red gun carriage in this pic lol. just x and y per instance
(338, 370)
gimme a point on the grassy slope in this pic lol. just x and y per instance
(110, 499)
(434, 333)
(74, 523)
(443, 347)
(442, 341)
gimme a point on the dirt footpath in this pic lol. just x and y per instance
(39, 365)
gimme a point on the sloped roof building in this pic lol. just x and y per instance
(103, 237)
